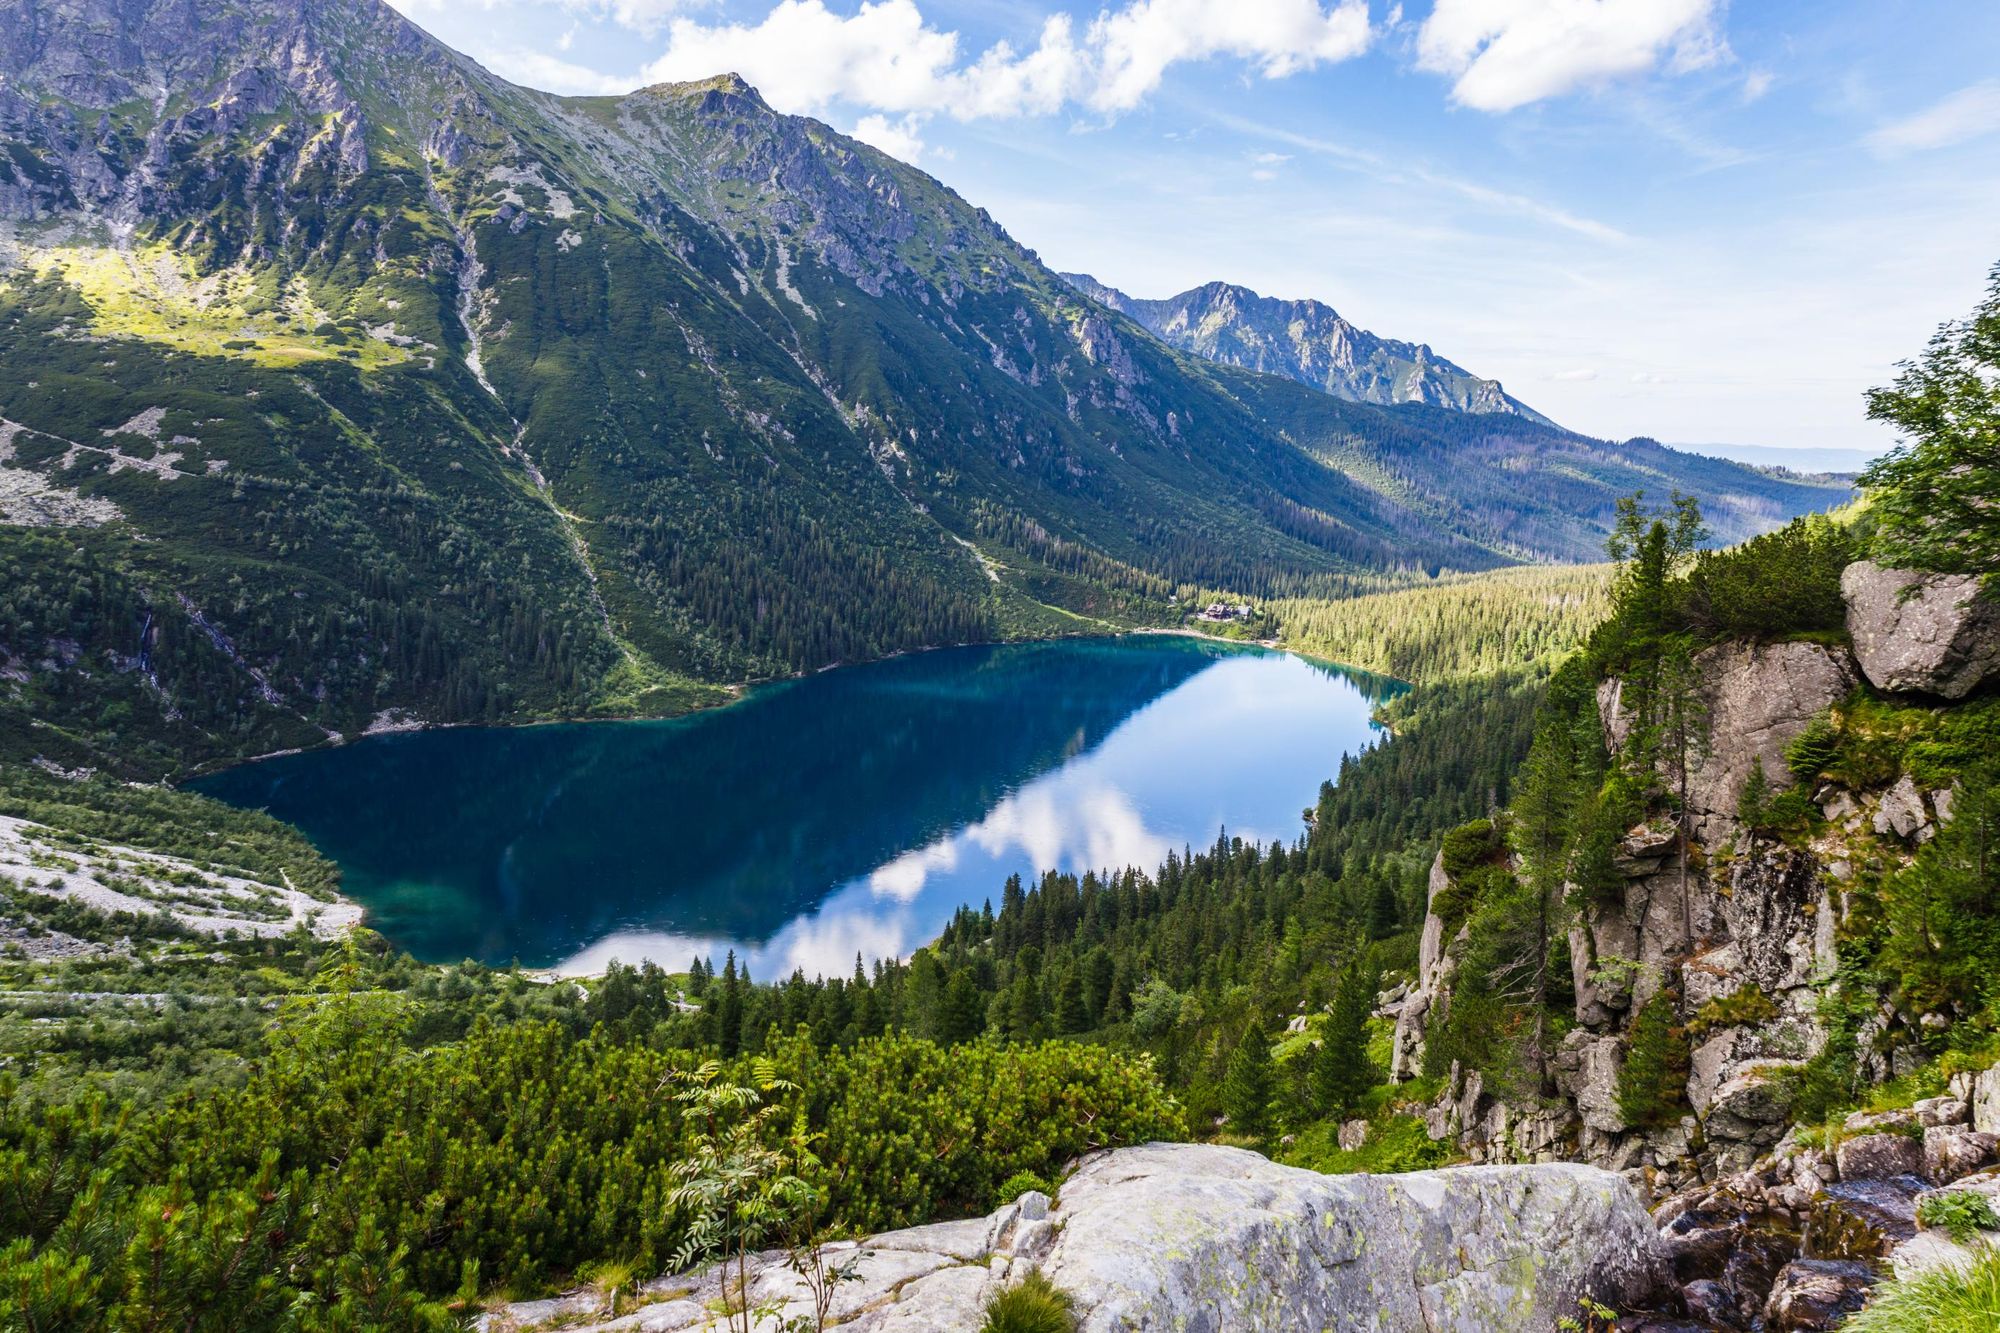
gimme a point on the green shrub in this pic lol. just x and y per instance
(1813, 750)
(1021, 1182)
(1032, 1305)
(1962, 1213)
(1945, 1300)
(1740, 1008)
(1470, 845)
(1396, 1142)
(1782, 583)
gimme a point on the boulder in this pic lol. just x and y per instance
(1955, 1151)
(1863, 1219)
(1757, 698)
(1211, 1238)
(1217, 1240)
(1812, 1294)
(1933, 633)
(1879, 1157)
(1713, 1305)
(1726, 1243)
(1984, 1101)
(1587, 1073)
(1902, 810)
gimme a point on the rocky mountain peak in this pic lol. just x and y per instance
(1308, 341)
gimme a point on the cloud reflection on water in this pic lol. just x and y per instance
(1247, 740)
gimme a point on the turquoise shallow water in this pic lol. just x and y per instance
(849, 812)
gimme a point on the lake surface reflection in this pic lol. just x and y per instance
(849, 812)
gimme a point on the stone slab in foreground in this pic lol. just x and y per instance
(1203, 1239)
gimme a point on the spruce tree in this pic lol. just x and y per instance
(1652, 1085)
(1342, 1072)
(1247, 1088)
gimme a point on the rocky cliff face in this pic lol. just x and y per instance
(1219, 1240)
(1740, 929)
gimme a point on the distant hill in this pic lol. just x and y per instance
(1837, 461)
(1309, 342)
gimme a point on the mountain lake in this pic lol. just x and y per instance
(848, 812)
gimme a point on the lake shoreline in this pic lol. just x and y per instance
(843, 813)
(742, 690)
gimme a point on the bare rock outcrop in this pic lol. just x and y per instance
(1215, 1240)
(1933, 633)
(1755, 699)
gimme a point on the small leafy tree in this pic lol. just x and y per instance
(735, 1189)
(1933, 499)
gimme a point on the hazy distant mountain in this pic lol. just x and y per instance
(1798, 460)
(1307, 341)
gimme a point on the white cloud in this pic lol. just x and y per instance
(552, 74)
(902, 139)
(1756, 83)
(1271, 159)
(887, 58)
(1573, 376)
(802, 56)
(1135, 46)
(1504, 54)
(1969, 113)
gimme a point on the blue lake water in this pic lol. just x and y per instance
(849, 812)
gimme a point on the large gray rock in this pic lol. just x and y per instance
(1757, 698)
(1880, 1157)
(1935, 633)
(1205, 1239)
(1208, 1238)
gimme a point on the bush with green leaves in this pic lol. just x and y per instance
(1021, 1182)
(1931, 498)
(1961, 1214)
(1782, 583)
(380, 1182)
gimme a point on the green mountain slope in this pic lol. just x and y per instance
(342, 380)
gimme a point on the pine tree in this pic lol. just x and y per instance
(1247, 1088)
(1342, 1072)
(1652, 1084)
(729, 1010)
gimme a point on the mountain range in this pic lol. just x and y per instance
(1309, 342)
(342, 381)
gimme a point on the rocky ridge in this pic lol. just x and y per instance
(1307, 341)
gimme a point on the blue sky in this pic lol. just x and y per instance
(1679, 218)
